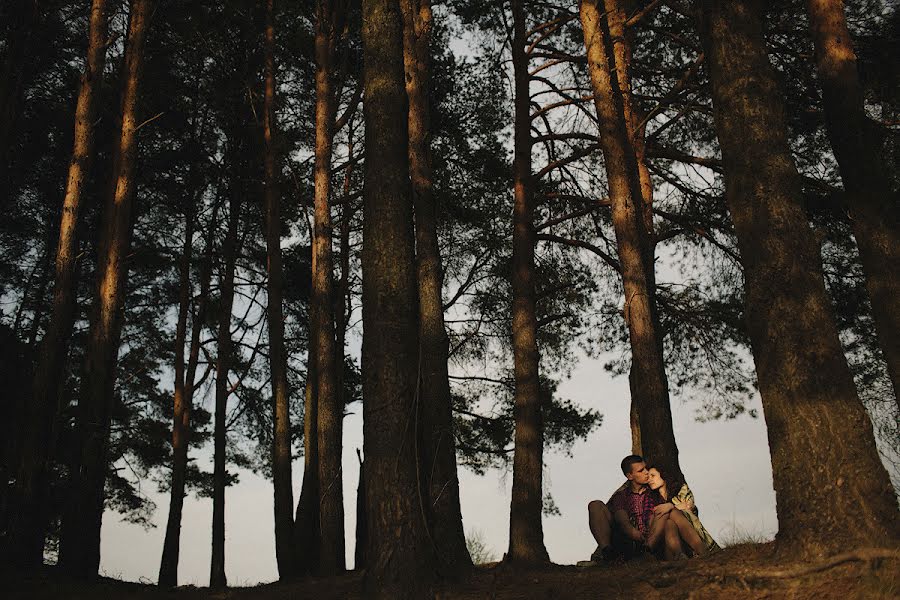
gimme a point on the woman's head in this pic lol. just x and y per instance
(662, 479)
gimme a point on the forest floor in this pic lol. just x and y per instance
(748, 571)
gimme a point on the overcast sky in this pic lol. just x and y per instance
(726, 464)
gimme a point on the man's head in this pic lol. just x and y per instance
(635, 469)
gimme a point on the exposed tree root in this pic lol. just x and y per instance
(863, 555)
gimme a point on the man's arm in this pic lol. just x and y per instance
(622, 521)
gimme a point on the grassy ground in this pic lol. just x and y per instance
(747, 571)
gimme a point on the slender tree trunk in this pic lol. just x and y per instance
(330, 410)
(438, 455)
(80, 549)
(281, 449)
(224, 359)
(817, 427)
(184, 393)
(12, 83)
(306, 523)
(401, 558)
(609, 71)
(29, 529)
(342, 290)
(526, 534)
(855, 140)
(362, 542)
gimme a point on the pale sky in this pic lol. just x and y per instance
(726, 464)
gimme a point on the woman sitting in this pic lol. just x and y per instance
(682, 500)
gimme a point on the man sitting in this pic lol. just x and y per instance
(623, 526)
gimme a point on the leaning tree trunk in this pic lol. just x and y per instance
(330, 409)
(217, 579)
(400, 556)
(31, 493)
(526, 534)
(438, 455)
(817, 427)
(281, 434)
(855, 141)
(610, 79)
(80, 548)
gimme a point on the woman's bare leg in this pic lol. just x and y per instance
(657, 530)
(673, 541)
(687, 532)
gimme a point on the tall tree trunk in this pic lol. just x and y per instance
(817, 427)
(224, 359)
(80, 549)
(438, 455)
(855, 141)
(16, 64)
(185, 376)
(29, 529)
(401, 559)
(306, 523)
(330, 409)
(608, 57)
(281, 448)
(526, 534)
(359, 556)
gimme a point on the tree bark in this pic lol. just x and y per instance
(281, 435)
(818, 429)
(29, 529)
(438, 453)
(526, 535)
(80, 548)
(865, 173)
(224, 359)
(306, 523)
(401, 559)
(608, 57)
(330, 409)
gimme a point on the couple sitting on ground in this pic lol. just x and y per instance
(652, 512)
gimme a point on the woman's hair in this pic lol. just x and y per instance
(673, 483)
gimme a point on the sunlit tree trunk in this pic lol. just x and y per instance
(526, 534)
(80, 546)
(31, 491)
(400, 556)
(855, 140)
(817, 427)
(330, 409)
(438, 453)
(281, 435)
(608, 65)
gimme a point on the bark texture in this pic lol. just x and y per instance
(281, 435)
(330, 408)
(80, 544)
(438, 448)
(29, 529)
(526, 534)
(817, 427)
(630, 192)
(400, 555)
(856, 142)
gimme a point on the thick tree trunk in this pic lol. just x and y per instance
(80, 548)
(401, 557)
(217, 579)
(608, 58)
(438, 453)
(330, 409)
(281, 435)
(526, 534)
(818, 429)
(855, 141)
(29, 529)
